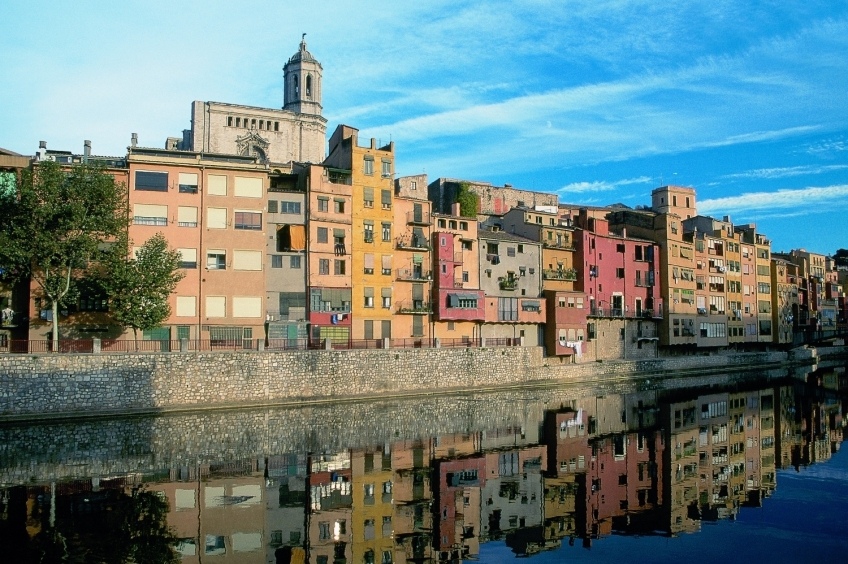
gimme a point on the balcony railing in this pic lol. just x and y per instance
(569, 274)
(508, 283)
(419, 218)
(413, 307)
(626, 312)
(565, 245)
(413, 274)
(412, 244)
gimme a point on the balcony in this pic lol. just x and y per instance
(412, 244)
(568, 274)
(415, 307)
(564, 245)
(415, 274)
(419, 218)
(509, 284)
(459, 284)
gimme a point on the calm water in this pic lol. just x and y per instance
(734, 468)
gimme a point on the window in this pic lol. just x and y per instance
(188, 258)
(368, 197)
(216, 260)
(387, 231)
(338, 267)
(507, 309)
(289, 207)
(386, 199)
(248, 220)
(368, 232)
(216, 185)
(295, 261)
(323, 236)
(338, 205)
(387, 168)
(369, 297)
(186, 307)
(248, 187)
(465, 277)
(520, 248)
(323, 204)
(368, 166)
(152, 181)
(510, 251)
(188, 183)
(387, 302)
(148, 214)
(276, 261)
(272, 206)
(323, 266)
(619, 273)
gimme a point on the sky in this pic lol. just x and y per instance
(598, 101)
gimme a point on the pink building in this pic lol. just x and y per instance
(620, 279)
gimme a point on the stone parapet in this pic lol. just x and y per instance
(48, 386)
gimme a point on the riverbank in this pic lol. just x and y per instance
(43, 387)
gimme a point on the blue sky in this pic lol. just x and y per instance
(599, 101)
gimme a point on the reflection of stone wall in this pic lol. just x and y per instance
(78, 385)
(146, 445)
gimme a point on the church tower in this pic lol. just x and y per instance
(302, 82)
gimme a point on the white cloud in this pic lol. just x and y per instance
(801, 199)
(601, 185)
(784, 172)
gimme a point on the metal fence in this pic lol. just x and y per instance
(105, 346)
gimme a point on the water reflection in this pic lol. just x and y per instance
(416, 481)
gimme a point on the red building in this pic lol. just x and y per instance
(620, 278)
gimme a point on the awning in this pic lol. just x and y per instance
(297, 237)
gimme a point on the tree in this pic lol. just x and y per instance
(56, 226)
(468, 201)
(139, 287)
(840, 257)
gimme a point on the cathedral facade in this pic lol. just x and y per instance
(296, 132)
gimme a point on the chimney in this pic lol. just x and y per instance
(624, 233)
(134, 140)
(42, 151)
(86, 150)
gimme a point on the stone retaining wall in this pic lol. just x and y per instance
(43, 386)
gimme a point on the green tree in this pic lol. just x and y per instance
(139, 287)
(840, 257)
(468, 201)
(57, 224)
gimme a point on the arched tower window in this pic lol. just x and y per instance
(309, 86)
(296, 89)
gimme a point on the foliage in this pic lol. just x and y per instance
(840, 257)
(108, 526)
(139, 287)
(468, 200)
(56, 226)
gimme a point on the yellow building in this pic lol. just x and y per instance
(374, 238)
(413, 277)
(371, 487)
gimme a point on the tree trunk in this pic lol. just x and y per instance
(55, 329)
(135, 338)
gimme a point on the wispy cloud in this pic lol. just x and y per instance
(785, 172)
(602, 185)
(801, 199)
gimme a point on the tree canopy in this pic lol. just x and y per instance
(139, 286)
(468, 201)
(56, 224)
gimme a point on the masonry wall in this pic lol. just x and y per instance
(39, 386)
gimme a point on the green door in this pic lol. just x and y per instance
(161, 334)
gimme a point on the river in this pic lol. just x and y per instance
(733, 467)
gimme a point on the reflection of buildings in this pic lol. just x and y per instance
(330, 508)
(643, 463)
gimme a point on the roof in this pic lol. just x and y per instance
(303, 55)
(504, 236)
(9, 153)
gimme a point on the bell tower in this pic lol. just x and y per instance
(302, 82)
